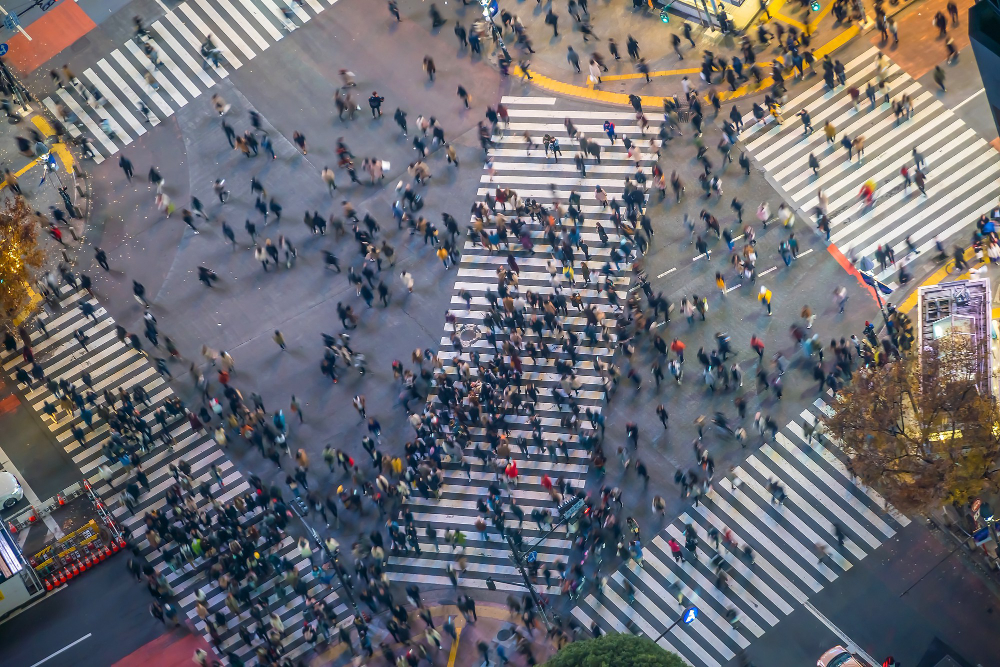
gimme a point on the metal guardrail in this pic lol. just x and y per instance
(23, 518)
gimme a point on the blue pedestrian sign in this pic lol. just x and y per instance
(690, 614)
(4, 49)
(494, 7)
(531, 556)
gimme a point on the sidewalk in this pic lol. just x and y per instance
(552, 71)
(44, 190)
(494, 626)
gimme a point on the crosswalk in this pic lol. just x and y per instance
(962, 170)
(530, 175)
(785, 571)
(112, 364)
(240, 29)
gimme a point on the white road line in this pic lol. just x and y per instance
(63, 649)
(851, 645)
(968, 99)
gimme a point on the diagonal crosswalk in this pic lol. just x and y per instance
(241, 29)
(530, 175)
(113, 364)
(785, 571)
(961, 168)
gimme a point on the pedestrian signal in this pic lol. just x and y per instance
(664, 16)
(815, 6)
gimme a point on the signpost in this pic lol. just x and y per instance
(688, 617)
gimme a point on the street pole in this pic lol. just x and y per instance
(518, 561)
(20, 28)
(497, 35)
(301, 512)
(874, 283)
(664, 633)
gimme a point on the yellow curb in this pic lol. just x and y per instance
(590, 93)
(33, 301)
(487, 611)
(939, 276)
(829, 47)
(59, 149)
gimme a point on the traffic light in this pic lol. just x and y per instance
(890, 662)
(815, 6)
(664, 16)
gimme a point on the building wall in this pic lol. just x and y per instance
(984, 31)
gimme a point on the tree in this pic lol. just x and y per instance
(922, 431)
(19, 252)
(614, 650)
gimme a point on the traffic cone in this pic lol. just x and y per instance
(74, 568)
(121, 542)
(48, 584)
(33, 517)
(62, 577)
(114, 547)
(12, 527)
(107, 551)
(61, 499)
(86, 562)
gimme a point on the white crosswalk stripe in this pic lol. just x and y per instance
(785, 571)
(529, 176)
(961, 168)
(241, 29)
(112, 364)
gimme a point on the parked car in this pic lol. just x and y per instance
(838, 656)
(10, 490)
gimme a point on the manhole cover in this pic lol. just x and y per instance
(504, 635)
(469, 333)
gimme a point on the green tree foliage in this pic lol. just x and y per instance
(921, 431)
(614, 650)
(19, 252)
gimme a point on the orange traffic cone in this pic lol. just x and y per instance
(48, 585)
(12, 527)
(62, 577)
(75, 568)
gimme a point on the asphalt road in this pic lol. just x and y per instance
(915, 599)
(105, 608)
(291, 87)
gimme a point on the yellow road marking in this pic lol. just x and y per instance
(787, 19)
(454, 647)
(60, 148)
(829, 47)
(639, 75)
(801, 26)
(939, 276)
(590, 93)
(33, 300)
